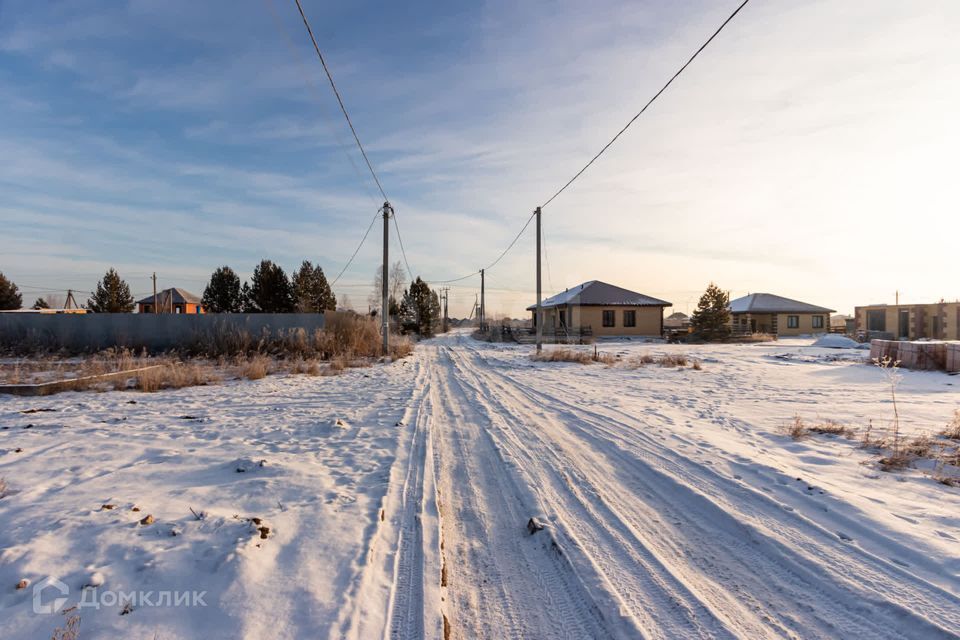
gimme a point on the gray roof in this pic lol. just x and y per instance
(769, 303)
(598, 293)
(180, 296)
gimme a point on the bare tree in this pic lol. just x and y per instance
(397, 282)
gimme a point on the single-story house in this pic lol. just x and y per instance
(779, 316)
(677, 321)
(603, 310)
(937, 321)
(172, 300)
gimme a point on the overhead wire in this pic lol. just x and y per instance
(649, 102)
(403, 251)
(336, 92)
(492, 264)
(308, 78)
(357, 250)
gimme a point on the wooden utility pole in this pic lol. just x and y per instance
(483, 308)
(155, 310)
(385, 308)
(538, 317)
(446, 316)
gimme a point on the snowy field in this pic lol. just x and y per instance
(395, 501)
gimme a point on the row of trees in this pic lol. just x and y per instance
(270, 291)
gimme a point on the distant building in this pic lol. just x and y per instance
(937, 321)
(171, 301)
(603, 310)
(676, 321)
(778, 316)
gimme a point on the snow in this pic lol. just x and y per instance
(399, 495)
(837, 341)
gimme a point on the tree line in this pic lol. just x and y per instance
(269, 290)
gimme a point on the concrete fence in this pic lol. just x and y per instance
(154, 332)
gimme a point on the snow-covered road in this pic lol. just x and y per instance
(400, 498)
(647, 535)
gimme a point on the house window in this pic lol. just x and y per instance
(609, 318)
(818, 322)
(630, 318)
(793, 322)
(876, 320)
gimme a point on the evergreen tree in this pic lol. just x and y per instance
(420, 309)
(270, 290)
(222, 294)
(311, 291)
(246, 303)
(112, 295)
(710, 320)
(10, 297)
(40, 304)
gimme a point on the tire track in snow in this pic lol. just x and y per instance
(502, 582)
(872, 613)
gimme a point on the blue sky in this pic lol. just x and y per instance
(809, 152)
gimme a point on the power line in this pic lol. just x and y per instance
(492, 264)
(469, 275)
(309, 80)
(346, 115)
(507, 250)
(357, 250)
(546, 258)
(402, 250)
(651, 101)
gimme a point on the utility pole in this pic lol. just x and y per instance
(483, 308)
(155, 310)
(385, 308)
(446, 316)
(538, 319)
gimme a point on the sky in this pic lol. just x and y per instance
(810, 151)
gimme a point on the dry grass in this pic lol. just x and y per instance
(4, 488)
(952, 430)
(796, 428)
(562, 354)
(830, 428)
(566, 354)
(255, 367)
(175, 375)
(672, 360)
(896, 461)
(919, 447)
(70, 630)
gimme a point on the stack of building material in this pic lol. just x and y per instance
(953, 357)
(907, 354)
(880, 349)
(927, 356)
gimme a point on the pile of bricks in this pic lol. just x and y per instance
(953, 357)
(880, 349)
(925, 356)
